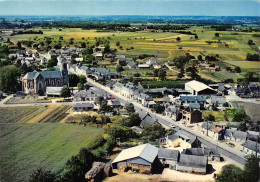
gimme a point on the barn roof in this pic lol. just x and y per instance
(147, 152)
(198, 86)
(193, 161)
(168, 154)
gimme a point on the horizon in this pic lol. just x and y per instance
(130, 8)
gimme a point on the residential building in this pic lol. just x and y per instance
(190, 115)
(173, 112)
(250, 147)
(83, 107)
(90, 95)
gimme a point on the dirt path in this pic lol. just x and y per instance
(37, 118)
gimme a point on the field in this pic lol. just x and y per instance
(33, 114)
(24, 147)
(162, 44)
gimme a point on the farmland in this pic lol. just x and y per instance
(162, 44)
(24, 147)
(33, 114)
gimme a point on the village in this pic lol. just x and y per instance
(177, 109)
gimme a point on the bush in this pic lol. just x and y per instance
(42, 176)
(230, 173)
(154, 131)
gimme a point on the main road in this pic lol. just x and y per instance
(165, 121)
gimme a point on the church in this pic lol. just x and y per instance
(34, 81)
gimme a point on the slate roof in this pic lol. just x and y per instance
(131, 64)
(168, 154)
(147, 152)
(210, 126)
(240, 135)
(147, 121)
(252, 145)
(171, 109)
(83, 104)
(45, 74)
(201, 151)
(114, 102)
(193, 99)
(182, 134)
(193, 161)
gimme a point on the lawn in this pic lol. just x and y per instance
(25, 147)
(246, 65)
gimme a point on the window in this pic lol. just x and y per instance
(58, 83)
(52, 83)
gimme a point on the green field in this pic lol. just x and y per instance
(19, 114)
(24, 147)
(162, 44)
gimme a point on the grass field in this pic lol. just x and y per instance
(24, 147)
(162, 44)
(19, 114)
(33, 114)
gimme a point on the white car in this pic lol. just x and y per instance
(172, 126)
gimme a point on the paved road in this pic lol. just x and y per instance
(165, 121)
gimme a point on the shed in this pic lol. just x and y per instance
(192, 164)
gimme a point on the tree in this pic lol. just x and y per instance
(249, 76)
(196, 36)
(119, 68)
(158, 108)
(117, 43)
(250, 42)
(242, 126)
(40, 92)
(210, 117)
(200, 57)
(82, 79)
(83, 44)
(107, 48)
(19, 44)
(9, 78)
(154, 131)
(129, 107)
(237, 69)
(238, 114)
(80, 86)
(89, 59)
(65, 92)
(230, 173)
(155, 72)
(162, 74)
(133, 120)
(42, 176)
(216, 34)
(52, 62)
(178, 39)
(73, 80)
(252, 172)
(181, 74)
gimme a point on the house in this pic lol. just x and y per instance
(190, 115)
(128, 90)
(214, 131)
(229, 133)
(103, 74)
(144, 66)
(239, 136)
(121, 60)
(214, 69)
(98, 56)
(152, 61)
(168, 158)
(144, 99)
(98, 171)
(33, 81)
(192, 164)
(183, 139)
(222, 90)
(90, 95)
(250, 148)
(212, 154)
(173, 112)
(83, 107)
(114, 103)
(216, 100)
(140, 158)
(252, 135)
(192, 101)
(146, 119)
(198, 88)
(132, 65)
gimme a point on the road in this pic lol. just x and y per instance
(165, 121)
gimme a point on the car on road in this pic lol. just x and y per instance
(172, 126)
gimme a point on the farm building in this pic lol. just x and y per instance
(168, 158)
(212, 154)
(198, 88)
(83, 107)
(140, 158)
(192, 164)
(98, 171)
(250, 147)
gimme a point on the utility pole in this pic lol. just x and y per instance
(207, 127)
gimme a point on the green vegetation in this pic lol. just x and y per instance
(25, 146)
(19, 114)
(9, 79)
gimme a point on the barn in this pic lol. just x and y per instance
(140, 159)
(198, 88)
(192, 164)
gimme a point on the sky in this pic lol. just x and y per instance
(131, 7)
